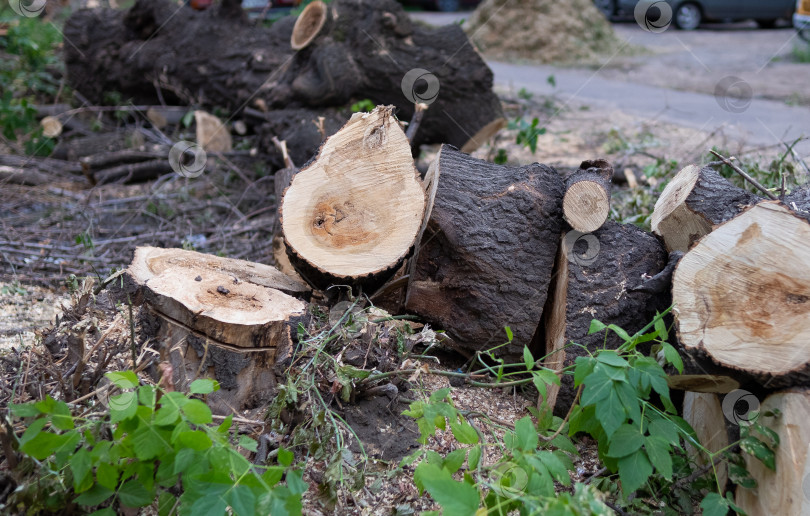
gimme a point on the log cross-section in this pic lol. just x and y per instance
(586, 203)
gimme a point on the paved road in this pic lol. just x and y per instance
(657, 85)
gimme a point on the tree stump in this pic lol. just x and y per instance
(352, 215)
(485, 260)
(586, 204)
(220, 318)
(692, 203)
(742, 295)
(595, 278)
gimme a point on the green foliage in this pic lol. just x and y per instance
(801, 52)
(13, 289)
(770, 175)
(152, 443)
(528, 132)
(363, 106)
(501, 158)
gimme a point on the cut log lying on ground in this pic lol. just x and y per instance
(223, 318)
(742, 295)
(595, 279)
(351, 217)
(205, 58)
(704, 413)
(586, 203)
(486, 258)
(786, 491)
(692, 203)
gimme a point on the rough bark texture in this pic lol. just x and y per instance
(211, 58)
(742, 295)
(586, 203)
(485, 260)
(596, 279)
(799, 202)
(692, 203)
(299, 128)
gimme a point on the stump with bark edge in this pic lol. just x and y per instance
(219, 318)
(586, 203)
(486, 258)
(351, 216)
(692, 203)
(742, 295)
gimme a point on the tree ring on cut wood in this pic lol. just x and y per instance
(742, 294)
(308, 25)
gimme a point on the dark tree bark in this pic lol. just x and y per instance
(486, 258)
(596, 276)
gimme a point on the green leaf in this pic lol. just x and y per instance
(197, 412)
(94, 496)
(133, 494)
(625, 441)
(634, 470)
(463, 431)
(555, 467)
(123, 406)
(597, 387)
(772, 436)
(147, 396)
(242, 500)
(528, 360)
(44, 444)
(248, 443)
(209, 505)
(610, 412)
(148, 442)
(760, 450)
(661, 328)
(285, 457)
(714, 505)
(59, 412)
(203, 386)
(611, 358)
(658, 452)
(167, 415)
(225, 425)
(439, 395)
(665, 430)
(620, 332)
(123, 379)
(166, 502)
(455, 498)
(24, 410)
(509, 334)
(454, 460)
(596, 326)
(526, 434)
(672, 356)
(80, 465)
(103, 512)
(474, 457)
(107, 475)
(583, 367)
(740, 476)
(195, 439)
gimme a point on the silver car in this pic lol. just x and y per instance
(689, 14)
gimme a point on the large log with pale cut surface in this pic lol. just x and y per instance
(597, 276)
(704, 413)
(486, 257)
(692, 203)
(742, 295)
(351, 49)
(786, 491)
(352, 215)
(219, 317)
(586, 203)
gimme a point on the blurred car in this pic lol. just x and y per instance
(801, 19)
(689, 14)
(443, 5)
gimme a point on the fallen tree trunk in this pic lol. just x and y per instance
(784, 491)
(586, 204)
(351, 217)
(485, 260)
(742, 296)
(692, 203)
(595, 278)
(210, 59)
(218, 318)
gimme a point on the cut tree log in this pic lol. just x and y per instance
(206, 59)
(702, 375)
(351, 217)
(704, 413)
(485, 260)
(586, 204)
(595, 276)
(692, 203)
(786, 491)
(742, 295)
(222, 318)
(309, 24)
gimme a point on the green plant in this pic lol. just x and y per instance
(148, 446)
(801, 52)
(527, 132)
(363, 106)
(14, 289)
(501, 158)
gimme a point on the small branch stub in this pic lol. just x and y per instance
(309, 25)
(586, 203)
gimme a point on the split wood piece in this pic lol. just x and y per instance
(595, 278)
(702, 375)
(586, 204)
(786, 491)
(351, 217)
(742, 295)
(485, 260)
(309, 24)
(704, 413)
(282, 180)
(234, 302)
(256, 66)
(692, 203)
